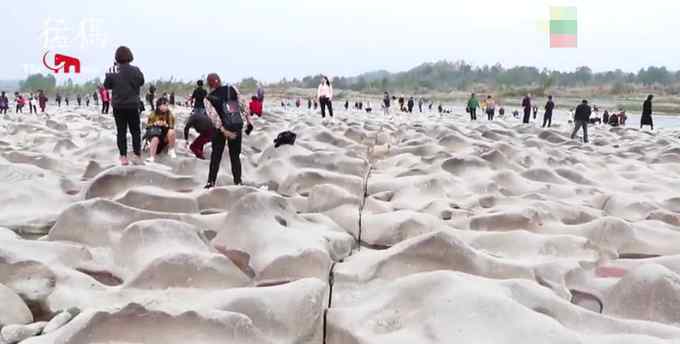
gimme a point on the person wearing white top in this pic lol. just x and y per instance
(325, 95)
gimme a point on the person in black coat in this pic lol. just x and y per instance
(526, 104)
(646, 118)
(581, 119)
(125, 80)
(549, 107)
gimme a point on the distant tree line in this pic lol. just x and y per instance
(48, 83)
(437, 76)
(446, 76)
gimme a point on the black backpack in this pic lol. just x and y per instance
(232, 112)
(285, 138)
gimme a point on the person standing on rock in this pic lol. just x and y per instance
(259, 93)
(42, 100)
(410, 104)
(472, 106)
(19, 101)
(386, 103)
(420, 105)
(646, 118)
(581, 119)
(104, 95)
(125, 80)
(4, 103)
(95, 96)
(197, 97)
(31, 104)
(150, 96)
(526, 104)
(547, 116)
(225, 111)
(325, 96)
(58, 99)
(79, 99)
(490, 107)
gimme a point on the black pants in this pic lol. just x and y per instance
(547, 119)
(59, 103)
(410, 109)
(128, 118)
(105, 107)
(473, 114)
(490, 113)
(527, 115)
(325, 102)
(580, 124)
(19, 109)
(218, 142)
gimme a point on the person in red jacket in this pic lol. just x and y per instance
(106, 99)
(255, 106)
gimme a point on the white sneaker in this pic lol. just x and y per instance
(172, 153)
(151, 160)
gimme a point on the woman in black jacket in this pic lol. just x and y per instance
(125, 81)
(646, 118)
(228, 127)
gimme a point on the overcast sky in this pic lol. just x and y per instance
(272, 39)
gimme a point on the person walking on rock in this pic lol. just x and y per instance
(106, 99)
(646, 118)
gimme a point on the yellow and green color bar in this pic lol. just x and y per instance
(563, 28)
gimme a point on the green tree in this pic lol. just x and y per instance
(583, 75)
(248, 85)
(37, 82)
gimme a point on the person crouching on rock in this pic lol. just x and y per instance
(200, 121)
(160, 131)
(255, 106)
(225, 110)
